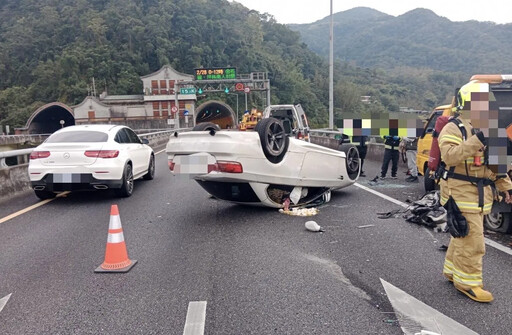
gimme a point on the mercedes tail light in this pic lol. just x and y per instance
(102, 153)
(39, 154)
(171, 164)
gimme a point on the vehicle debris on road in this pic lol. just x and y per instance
(300, 211)
(425, 211)
(366, 226)
(314, 227)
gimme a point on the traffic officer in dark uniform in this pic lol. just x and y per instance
(391, 153)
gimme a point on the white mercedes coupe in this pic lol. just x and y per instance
(267, 167)
(90, 157)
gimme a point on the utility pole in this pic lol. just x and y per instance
(331, 75)
(93, 88)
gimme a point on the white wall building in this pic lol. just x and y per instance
(156, 107)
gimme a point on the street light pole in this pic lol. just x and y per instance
(236, 106)
(331, 75)
(237, 109)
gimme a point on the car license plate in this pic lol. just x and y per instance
(60, 178)
(193, 164)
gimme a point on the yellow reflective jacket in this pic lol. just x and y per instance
(457, 152)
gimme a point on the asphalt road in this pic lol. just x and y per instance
(259, 271)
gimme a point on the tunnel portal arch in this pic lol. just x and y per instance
(216, 112)
(47, 119)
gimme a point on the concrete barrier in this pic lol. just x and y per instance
(14, 179)
(375, 151)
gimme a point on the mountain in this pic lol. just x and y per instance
(51, 50)
(418, 38)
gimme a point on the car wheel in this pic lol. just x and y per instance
(498, 222)
(428, 182)
(151, 169)
(126, 189)
(206, 126)
(352, 160)
(274, 141)
(43, 195)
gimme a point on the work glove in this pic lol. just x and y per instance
(456, 222)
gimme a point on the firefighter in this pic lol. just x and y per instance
(467, 179)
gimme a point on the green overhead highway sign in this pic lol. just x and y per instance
(188, 90)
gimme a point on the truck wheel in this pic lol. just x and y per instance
(428, 182)
(498, 222)
(206, 126)
(274, 141)
(352, 161)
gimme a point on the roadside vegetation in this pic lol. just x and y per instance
(51, 50)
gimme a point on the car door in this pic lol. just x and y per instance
(126, 147)
(138, 151)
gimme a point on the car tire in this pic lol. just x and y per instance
(274, 140)
(428, 182)
(151, 169)
(498, 222)
(126, 189)
(43, 195)
(206, 126)
(352, 161)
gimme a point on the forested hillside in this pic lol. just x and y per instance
(418, 39)
(51, 49)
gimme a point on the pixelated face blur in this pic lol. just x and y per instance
(482, 110)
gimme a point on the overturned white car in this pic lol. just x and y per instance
(265, 167)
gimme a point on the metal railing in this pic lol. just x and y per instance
(338, 135)
(21, 156)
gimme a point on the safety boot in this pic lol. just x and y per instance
(477, 294)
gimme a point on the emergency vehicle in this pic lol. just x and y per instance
(250, 119)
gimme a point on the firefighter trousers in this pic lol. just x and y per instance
(464, 256)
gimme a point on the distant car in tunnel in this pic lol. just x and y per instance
(262, 167)
(90, 157)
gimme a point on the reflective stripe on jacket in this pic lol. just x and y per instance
(459, 153)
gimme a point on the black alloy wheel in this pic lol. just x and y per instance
(274, 140)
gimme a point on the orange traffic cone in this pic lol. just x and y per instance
(116, 256)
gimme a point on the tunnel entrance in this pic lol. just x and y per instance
(50, 118)
(216, 112)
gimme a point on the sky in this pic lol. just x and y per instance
(308, 11)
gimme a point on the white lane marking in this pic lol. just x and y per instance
(28, 209)
(159, 152)
(397, 202)
(498, 246)
(196, 315)
(3, 301)
(487, 241)
(415, 315)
